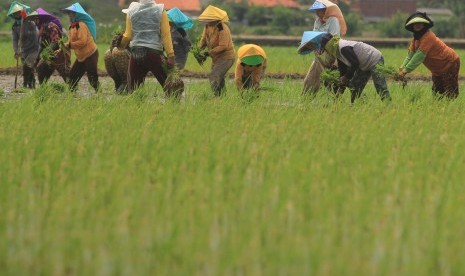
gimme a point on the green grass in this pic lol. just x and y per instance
(283, 185)
(281, 59)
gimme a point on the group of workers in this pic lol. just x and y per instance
(156, 40)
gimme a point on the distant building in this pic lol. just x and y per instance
(273, 3)
(267, 3)
(379, 10)
(189, 7)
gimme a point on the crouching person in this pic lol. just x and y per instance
(357, 62)
(148, 32)
(117, 63)
(250, 67)
(440, 59)
(51, 55)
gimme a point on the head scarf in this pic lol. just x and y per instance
(330, 44)
(212, 13)
(332, 10)
(418, 17)
(251, 54)
(83, 16)
(179, 19)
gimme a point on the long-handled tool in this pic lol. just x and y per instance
(20, 46)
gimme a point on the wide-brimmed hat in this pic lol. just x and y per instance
(179, 19)
(317, 6)
(311, 41)
(17, 7)
(418, 17)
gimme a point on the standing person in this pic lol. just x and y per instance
(329, 19)
(25, 42)
(180, 24)
(81, 38)
(50, 34)
(356, 62)
(250, 67)
(148, 32)
(217, 38)
(427, 48)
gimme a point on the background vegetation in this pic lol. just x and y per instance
(269, 21)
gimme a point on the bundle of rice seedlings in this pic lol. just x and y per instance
(330, 78)
(390, 71)
(174, 86)
(62, 44)
(47, 54)
(386, 70)
(199, 54)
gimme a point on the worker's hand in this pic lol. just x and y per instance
(170, 62)
(343, 81)
(400, 76)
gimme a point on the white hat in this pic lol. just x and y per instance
(132, 5)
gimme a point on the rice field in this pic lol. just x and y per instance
(281, 60)
(276, 185)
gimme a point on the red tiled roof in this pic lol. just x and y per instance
(183, 5)
(273, 3)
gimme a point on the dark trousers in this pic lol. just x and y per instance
(447, 85)
(61, 63)
(78, 70)
(152, 62)
(29, 80)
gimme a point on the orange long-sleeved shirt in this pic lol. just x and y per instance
(165, 34)
(219, 42)
(81, 41)
(439, 56)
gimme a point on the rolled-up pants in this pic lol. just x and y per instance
(219, 69)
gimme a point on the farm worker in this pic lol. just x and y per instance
(427, 48)
(179, 25)
(329, 19)
(50, 34)
(250, 67)
(357, 62)
(117, 61)
(217, 38)
(81, 38)
(25, 41)
(148, 32)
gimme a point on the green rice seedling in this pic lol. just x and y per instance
(386, 70)
(47, 53)
(199, 53)
(330, 78)
(390, 71)
(174, 84)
